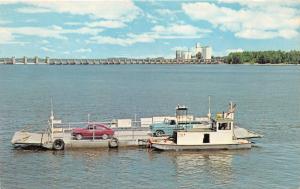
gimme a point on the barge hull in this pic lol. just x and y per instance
(175, 147)
(84, 144)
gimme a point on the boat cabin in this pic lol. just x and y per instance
(220, 132)
(181, 113)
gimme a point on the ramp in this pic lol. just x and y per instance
(241, 133)
(28, 138)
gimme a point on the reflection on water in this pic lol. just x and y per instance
(215, 166)
(192, 169)
(185, 169)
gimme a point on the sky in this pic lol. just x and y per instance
(140, 29)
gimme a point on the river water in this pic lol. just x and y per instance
(268, 102)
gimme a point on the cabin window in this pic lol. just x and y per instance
(224, 126)
(172, 122)
(214, 125)
(206, 138)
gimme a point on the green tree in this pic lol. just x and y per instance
(263, 57)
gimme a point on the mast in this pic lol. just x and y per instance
(51, 120)
(232, 110)
(209, 113)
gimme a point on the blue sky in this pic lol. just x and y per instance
(101, 29)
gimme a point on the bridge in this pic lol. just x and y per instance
(59, 61)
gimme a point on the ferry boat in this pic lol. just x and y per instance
(218, 136)
(125, 132)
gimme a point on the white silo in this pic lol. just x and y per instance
(209, 52)
(183, 54)
(189, 54)
(198, 51)
(206, 53)
(198, 48)
(186, 55)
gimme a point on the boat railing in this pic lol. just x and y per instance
(135, 125)
(63, 130)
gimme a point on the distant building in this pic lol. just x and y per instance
(200, 52)
(185, 55)
(206, 53)
(178, 54)
(198, 48)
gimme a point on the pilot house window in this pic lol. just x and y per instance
(172, 122)
(224, 126)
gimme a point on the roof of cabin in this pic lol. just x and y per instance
(224, 120)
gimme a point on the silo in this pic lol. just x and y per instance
(198, 51)
(189, 55)
(183, 55)
(198, 48)
(178, 54)
(206, 53)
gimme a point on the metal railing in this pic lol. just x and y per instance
(66, 128)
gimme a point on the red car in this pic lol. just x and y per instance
(93, 130)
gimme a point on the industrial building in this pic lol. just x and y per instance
(202, 53)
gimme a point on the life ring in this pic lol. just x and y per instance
(58, 144)
(113, 143)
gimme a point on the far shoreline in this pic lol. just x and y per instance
(244, 64)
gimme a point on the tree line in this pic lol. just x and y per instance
(263, 57)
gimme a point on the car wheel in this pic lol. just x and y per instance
(159, 133)
(78, 136)
(105, 136)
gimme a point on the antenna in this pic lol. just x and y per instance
(209, 114)
(52, 116)
(51, 120)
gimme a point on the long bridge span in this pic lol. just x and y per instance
(62, 61)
